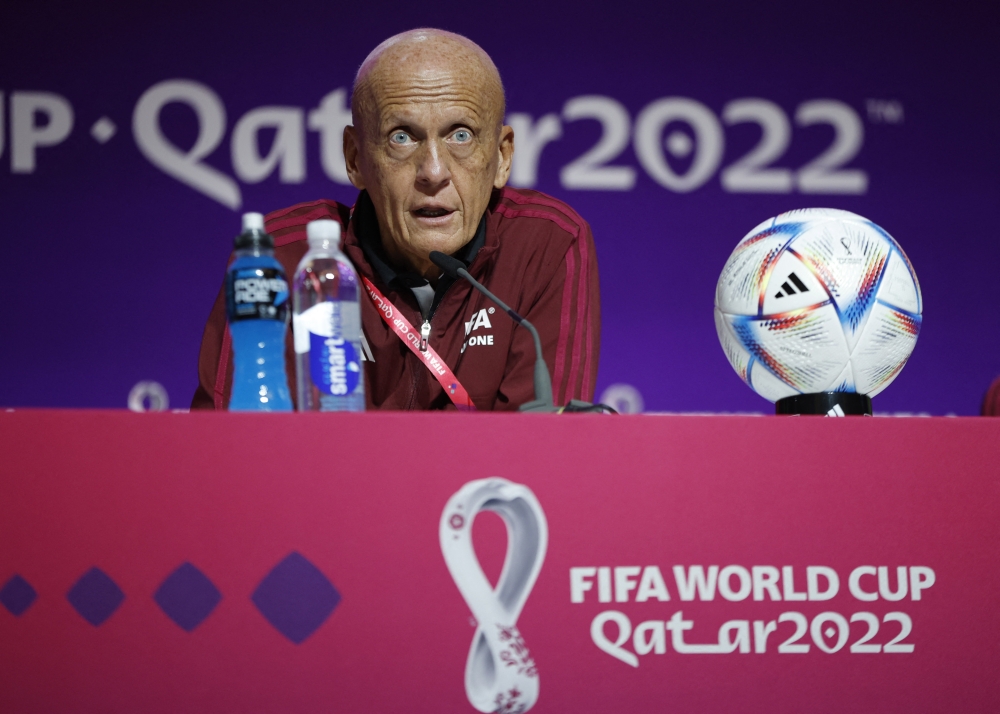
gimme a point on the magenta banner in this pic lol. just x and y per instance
(133, 135)
(164, 563)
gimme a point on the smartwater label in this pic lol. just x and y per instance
(334, 363)
(316, 320)
(256, 293)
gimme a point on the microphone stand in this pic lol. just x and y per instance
(543, 401)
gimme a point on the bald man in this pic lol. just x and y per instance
(430, 154)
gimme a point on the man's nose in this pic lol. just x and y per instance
(434, 168)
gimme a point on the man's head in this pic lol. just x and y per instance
(428, 142)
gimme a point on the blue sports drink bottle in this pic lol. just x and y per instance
(257, 309)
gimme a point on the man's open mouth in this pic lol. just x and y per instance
(431, 212)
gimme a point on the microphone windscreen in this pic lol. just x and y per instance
(449, 265)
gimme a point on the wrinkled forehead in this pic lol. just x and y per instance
(427, 88)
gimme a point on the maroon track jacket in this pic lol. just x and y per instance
(538, 256)
(991, 402)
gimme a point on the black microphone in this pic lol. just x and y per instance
(543, 382)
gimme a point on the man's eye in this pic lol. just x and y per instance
(462, 135)
(400, 137)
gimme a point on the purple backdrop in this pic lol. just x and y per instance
(113, 258)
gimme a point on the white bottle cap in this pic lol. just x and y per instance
(319, 232)
(252, 222)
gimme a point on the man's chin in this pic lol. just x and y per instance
(447, 242)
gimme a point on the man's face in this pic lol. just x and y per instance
(429, 152)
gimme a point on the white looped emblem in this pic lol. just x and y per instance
(500, 675)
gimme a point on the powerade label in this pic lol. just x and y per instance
(256, 293)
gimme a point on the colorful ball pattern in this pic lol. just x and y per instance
(818, 300)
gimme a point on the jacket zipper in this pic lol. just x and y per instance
(425, 333)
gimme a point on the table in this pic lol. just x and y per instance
(294, 563)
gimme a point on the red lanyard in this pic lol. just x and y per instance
(411, 338)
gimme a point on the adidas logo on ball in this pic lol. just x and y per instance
(787, 289)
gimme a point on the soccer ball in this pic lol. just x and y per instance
(817, 300)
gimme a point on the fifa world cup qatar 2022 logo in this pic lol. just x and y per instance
(500, 674)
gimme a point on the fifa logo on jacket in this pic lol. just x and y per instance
(480, 319)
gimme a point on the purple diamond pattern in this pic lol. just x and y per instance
(296, 598)
(17, 595)
(95, 596)
(187, 597)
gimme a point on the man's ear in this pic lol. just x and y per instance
(506, 151)
(351, 153)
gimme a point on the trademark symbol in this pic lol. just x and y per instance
(492, 310)
(884, 111)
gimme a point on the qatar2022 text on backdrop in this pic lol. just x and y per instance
(133, 136)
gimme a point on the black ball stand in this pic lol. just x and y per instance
(834, 404)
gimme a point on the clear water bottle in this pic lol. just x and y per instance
(327, 325)
(257, 308)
